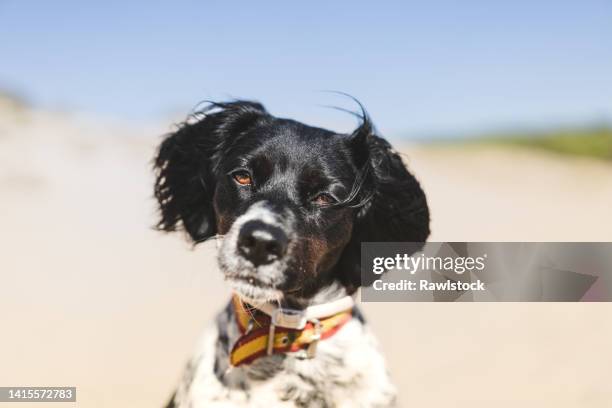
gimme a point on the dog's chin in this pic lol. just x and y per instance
(257, 283)
(253, 291)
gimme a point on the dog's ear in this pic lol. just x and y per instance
(392, 208)
(186, 165)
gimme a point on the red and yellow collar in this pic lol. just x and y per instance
(262, 334)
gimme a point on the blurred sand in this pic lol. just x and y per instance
(90, 296)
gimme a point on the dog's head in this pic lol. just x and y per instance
(293, 202)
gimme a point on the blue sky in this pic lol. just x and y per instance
(419, 67)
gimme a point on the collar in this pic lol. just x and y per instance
(269, 329)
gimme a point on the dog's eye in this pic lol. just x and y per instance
(242, 177)
(323, 199)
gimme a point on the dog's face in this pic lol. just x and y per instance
(276, 203)
(292, 202)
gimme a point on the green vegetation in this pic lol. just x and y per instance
(12, 101)
(592, 142)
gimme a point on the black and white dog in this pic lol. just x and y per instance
(290, 204)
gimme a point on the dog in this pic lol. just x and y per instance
(290, 205)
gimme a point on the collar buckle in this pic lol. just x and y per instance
(288, 318)
(311, 351)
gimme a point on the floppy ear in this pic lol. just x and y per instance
(186, 164)
(393, 206)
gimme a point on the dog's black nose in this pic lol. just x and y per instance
(262, 243)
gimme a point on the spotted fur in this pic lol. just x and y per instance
(291, 205)
(348, 371)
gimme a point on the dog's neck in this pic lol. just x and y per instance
(297, 319)
(333, 299)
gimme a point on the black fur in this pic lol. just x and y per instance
(376, 198)
(186, 166)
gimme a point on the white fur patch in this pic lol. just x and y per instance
(237, 269)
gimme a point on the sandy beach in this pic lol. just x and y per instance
(91, 296)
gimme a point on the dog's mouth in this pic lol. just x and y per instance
(253, 288)
(251, 280)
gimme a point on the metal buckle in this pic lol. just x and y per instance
(270, 346)
(311, 351)
(288, 318)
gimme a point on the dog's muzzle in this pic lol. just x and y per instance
(256, 250)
